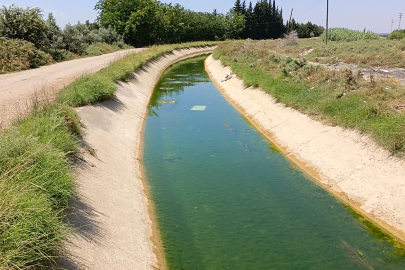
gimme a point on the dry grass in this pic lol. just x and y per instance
(365, 53)
(19, 109)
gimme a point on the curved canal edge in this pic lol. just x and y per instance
(112, 214)
(344, 162)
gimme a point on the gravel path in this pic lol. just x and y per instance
(18, 89)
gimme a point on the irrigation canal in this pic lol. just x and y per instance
(225, 198)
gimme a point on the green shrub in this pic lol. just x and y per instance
(397, 34)
(26, 24)
(62, 55)
(16, 55)
(344, 34)
(40, 58)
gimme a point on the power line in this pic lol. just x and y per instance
(400, 17)
(392, 24)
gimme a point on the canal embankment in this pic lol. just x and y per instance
(112, 212)
(348, 164)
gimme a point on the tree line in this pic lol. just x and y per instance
(147, 22)
(263, 21)
(305, 30)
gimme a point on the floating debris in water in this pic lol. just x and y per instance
(246, 131)
(167, 101)
(244, 146)
(198, 108)
(229, 128)
(166, 89)
(357, 256)
(171, 157)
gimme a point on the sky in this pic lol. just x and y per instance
(354, 14)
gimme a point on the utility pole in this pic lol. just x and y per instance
(392, 24)
(327, 20)
(290, 20)
(400, 17)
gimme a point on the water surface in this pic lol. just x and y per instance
(226, 199)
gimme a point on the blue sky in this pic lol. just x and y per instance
(355, 14)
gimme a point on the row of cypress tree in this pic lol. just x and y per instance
(263, 21)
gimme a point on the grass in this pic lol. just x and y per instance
(36, 181)
(365, 53)
(103, 48)
(36, 166)
(101, 85)
(337, 97)
(344, 34)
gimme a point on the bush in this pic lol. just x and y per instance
(16, 55)
(344, 34)
(397, 34)
(62, 55)
(289, 40)
(26, 24)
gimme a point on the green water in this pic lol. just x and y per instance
(226, 199)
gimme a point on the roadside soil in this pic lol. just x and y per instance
(348, 164)
(113, 219)
(19, 90)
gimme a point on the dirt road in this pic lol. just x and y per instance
(17, 89)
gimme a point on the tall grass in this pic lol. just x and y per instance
(338, 97)
(101, 85)
(36, 182)
(344, 34)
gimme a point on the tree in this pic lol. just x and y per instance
(26, 24)
(54, 38)
(238, 7)
(236, 22)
